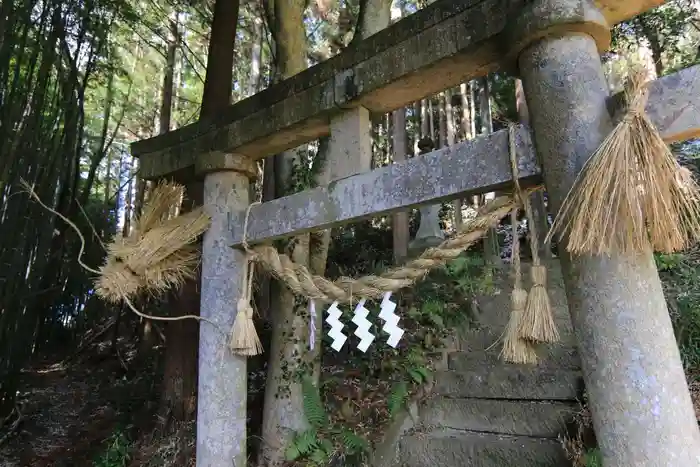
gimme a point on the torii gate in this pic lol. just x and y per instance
(639, 398)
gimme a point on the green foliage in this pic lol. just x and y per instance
(398, 397)
(317, 444)
(680, 275)
(314, 411)
(117, 452)
(593, 459)
(471, 275)
(303, 444)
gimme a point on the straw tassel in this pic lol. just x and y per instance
(244, 338)
(631, 194)
(515, 348)
(537, 323)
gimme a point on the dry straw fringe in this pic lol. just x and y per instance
(157, 255)
(300, 280)
(515, 348)
(631, 193)
(537, 322)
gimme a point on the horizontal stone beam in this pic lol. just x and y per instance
(674, 105)
(438, 47)
(471, 167)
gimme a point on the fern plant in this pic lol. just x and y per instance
(316, 445)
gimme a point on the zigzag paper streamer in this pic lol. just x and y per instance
(333, 319)
(391, 321)
(363, 325)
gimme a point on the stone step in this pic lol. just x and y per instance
(454, 448)
(547, 419)
(495, 309)
(480, 350)
(511, 382)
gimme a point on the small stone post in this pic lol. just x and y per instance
(639, 399)
(429, 232)
(222, 385)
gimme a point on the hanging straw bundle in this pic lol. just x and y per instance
(537, 321)
(244, 338)
(158, 253)
(515, 348)
(631, 193)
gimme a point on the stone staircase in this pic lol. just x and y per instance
(485, 413)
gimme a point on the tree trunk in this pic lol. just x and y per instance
(255, 56)
(283, 409)
(180, 387)
(219, 77)
(491, 248)
(166, 105)
(451, 139)
(400, 219)
(290, 353)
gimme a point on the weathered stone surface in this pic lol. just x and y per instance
(562, 355)
(495, 309)
(638, 396)
(511, 382)
(481, 345)
(436, 48)
(525, 418)
(350, 145)
(452, 448)
(222, 386)
(482, 164)
(550, 18)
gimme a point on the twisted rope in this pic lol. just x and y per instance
(300, 280)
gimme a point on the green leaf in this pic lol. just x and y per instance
(437, 321)
(314, 410)
(416, 375)
(302, 444)
(353, 443)
(292, 452)
(326, 445)
(397, 397)
(319, 456)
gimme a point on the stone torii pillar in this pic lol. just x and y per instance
(222, 386)
(639, 399)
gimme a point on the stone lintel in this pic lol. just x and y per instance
(440, 46)
(475, 166)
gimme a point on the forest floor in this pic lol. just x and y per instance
(71, 411)
(100, 408)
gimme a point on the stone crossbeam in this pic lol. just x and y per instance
(475, 166)
(440, 46)
(674, 105)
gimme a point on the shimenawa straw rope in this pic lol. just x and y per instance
(300, 280)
